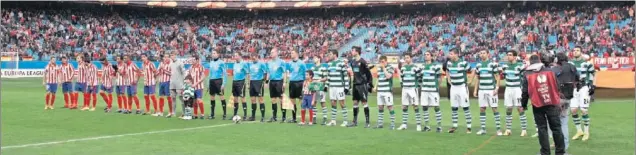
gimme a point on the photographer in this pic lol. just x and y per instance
(540, 85)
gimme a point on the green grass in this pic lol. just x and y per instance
(25, 122)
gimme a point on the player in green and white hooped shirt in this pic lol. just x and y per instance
(337, 70)
(408, 76)
(512, 95)
(458, 70)
(486, 90)
(581, 98)
(320, 76)
(385, 93)
(429, 97)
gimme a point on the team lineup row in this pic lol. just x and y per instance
(419, 83)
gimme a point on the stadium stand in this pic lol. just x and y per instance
(39, 31)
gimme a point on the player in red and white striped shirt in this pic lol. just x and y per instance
(132, 77)
(50, 81)
(149, 71)
(67, 72)
(108, 73)
(80, 83)
(122, 99)
(197, 72)
(164, 84)
(91, 80)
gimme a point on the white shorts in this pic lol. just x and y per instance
(487, 98)
(321, 96)
(429, 99)
(512, 97)
(336, 94)
(581, 98)
(459, 96)
(409, 96)
(385, 98)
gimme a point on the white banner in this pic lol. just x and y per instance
(13, 73)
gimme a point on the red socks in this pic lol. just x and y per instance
(74, 100)
(110, 101)
(66, 103)
(87, 100)
(105, 98)
(47, 99)
(302, 115)
(124, 101)
(201, 107)
(130, 101)
(119, 102)
(136, 99)
(94, 100)
(161, 104)
(52, 100)
(195, 105)
(170, 104)
(154, 102)
(311, 114)
(146, 98)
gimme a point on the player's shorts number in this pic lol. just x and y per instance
(341, 94)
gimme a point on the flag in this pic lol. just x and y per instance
(231, 101)
(287, 104)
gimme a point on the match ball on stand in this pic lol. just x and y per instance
(236, 119)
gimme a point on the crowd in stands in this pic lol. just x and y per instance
(49, 29)
(104, 31)
(601, 29)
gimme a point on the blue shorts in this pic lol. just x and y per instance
(132, 89)
(149, 90)
(51, 88)
(67, 87)
(306, 103)
(91, 89)
(108, 90)
(120, 90)
(80, 87)
(198, 93)
(164, 88)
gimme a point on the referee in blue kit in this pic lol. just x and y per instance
(296, 71)
(257, 74)
(275, 78)
(217, 83)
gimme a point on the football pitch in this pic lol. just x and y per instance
(28, 129)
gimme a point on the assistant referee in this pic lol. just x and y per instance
(296, 70)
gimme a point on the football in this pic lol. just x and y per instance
(236, 119)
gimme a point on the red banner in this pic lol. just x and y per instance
(612, 60)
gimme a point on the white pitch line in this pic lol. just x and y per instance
(136, 134)
(111, 136)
